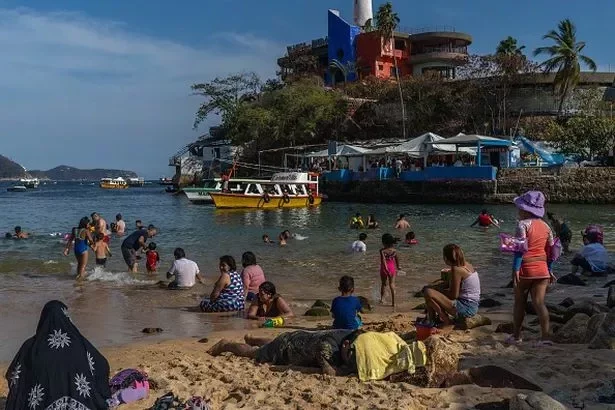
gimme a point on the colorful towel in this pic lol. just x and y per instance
(380, 355)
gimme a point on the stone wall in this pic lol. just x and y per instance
(394, 191)
(563, 185)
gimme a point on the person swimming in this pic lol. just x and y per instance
(267, 239)
(356, 222)
(371, 222)
(485, 220)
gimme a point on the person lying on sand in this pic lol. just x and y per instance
(371, 355)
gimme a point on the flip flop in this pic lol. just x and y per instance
(513, 341)
(543, 343)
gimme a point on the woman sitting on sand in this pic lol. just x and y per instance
(227, 295)
(57, 368)
(268, 304)
(463, 294)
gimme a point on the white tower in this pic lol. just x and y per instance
(362, 12)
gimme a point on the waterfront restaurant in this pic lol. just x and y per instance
(491, 153)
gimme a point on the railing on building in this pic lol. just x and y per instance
(427, 29)
(307, 46)
(445, 49)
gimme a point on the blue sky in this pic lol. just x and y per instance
(106, 83)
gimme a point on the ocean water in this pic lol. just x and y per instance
(112, 306)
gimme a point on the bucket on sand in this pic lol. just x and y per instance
(423, 331)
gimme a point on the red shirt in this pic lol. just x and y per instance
(152, 259)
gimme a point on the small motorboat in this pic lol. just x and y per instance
(17, 188)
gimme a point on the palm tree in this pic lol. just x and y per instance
(386, 23)
(565, 58)
(509, 47)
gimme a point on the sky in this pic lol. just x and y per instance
(106, 84)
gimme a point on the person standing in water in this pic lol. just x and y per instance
(389, 265)
(81, 238)
(100, 226)
(120, 225)
(562, 231)
(134, 243)
(402, 223)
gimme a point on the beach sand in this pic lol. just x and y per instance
(572, 374)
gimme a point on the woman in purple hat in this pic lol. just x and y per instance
(532, 272)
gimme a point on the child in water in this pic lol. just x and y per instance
(359, 245)
(101, 250)
(411, 239)
(152, 259)
(267, 239)
(283, 237)
(389, 265)
(346, 308)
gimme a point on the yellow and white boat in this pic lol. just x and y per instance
(284, 190)
(113, 183)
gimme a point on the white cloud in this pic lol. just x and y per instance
(71, 84)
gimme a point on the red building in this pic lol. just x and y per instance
(426, 52)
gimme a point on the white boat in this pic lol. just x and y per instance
(201, 195)
(138, 182)
(17, 188)
(31, 183)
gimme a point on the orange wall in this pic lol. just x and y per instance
(371, 60)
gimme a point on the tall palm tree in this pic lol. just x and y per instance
(509, 47)
(565, 58)
(386, 23)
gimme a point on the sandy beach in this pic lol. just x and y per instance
(573, 374)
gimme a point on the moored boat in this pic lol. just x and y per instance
(137, 182)
(202, 195)
(31, 183)
(284, 190)
(165, 181)
(113, 183)
(17, 188)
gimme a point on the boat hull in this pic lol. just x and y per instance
(229, 201)
(112, 186)
(198, 196)
(19, 188)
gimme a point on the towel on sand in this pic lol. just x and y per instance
(380, 355)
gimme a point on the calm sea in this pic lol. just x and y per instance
(112, 306)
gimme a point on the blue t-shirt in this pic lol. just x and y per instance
(345, 310)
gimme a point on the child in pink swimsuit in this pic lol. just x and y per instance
(389, 264)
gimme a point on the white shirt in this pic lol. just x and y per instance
(120, 226)
(185, 272)
(359, 246)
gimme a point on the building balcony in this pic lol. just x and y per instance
(435, 54)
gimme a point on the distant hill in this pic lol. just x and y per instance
(10, 169)
(66, 173)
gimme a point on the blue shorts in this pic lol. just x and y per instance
(465, 308)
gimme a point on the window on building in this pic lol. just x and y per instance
(400, 44)
(393, 72)
(340, 54)
(380, 67)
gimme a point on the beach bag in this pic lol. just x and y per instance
(511, 244)
(129, 385)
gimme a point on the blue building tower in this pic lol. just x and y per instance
(342, 49)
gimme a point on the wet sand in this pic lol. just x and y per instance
(572, 374)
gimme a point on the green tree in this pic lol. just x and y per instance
(584, 136)
(565, 59)
(509, 47)
(224, 96)
(386, 24)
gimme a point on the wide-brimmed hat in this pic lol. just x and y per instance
(532, 202)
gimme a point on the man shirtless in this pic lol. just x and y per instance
(100, 226)
(402, 223)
